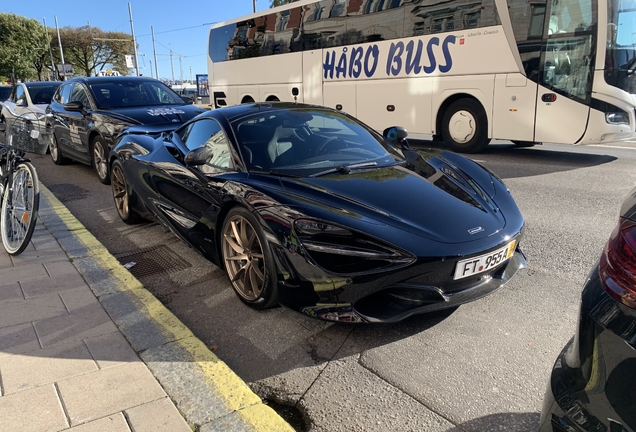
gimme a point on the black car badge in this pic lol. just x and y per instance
(475, 230)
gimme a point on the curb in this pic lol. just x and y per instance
(206, 391)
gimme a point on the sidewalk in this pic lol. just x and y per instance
(84, 347)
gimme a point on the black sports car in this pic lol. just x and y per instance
(307, 207)
(593, 383)
(89, 113)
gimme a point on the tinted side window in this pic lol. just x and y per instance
(78, 94)
(528, 19)
(207, 132)
(18, 94)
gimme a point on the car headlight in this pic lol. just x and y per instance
(343, 251)
(617, 118)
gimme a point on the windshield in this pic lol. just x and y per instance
(42, 93)
(5, 91)
(303, 142)
(133, 93)
(621, 45)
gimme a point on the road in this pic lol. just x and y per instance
(483, 366)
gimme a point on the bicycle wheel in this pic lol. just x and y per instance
(20, 209)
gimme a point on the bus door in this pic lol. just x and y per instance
(565, 72)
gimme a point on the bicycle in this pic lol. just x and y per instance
(19, 185)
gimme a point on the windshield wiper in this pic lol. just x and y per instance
(344, 169)
(274, 173)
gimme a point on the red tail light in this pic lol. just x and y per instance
(618, 263)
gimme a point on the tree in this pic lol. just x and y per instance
(22, 43)
(274, 3)
(91, 49)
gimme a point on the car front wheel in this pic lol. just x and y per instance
(123, 199)
(247, 259)
(56, 152)
(100, 160)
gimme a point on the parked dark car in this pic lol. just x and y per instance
(23, 118)
(308, 207)
(89, 113)
(593, 383)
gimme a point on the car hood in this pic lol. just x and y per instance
(442, 204)
(152, 114)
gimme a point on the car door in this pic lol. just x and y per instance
(15, 108)
(61, 127)
(191, 196)
(72, 125)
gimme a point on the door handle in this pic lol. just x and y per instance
(548, 97)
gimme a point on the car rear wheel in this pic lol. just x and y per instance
(247, 259)
(123, 199)
(100, 159)
(465, 126)
(56, 152)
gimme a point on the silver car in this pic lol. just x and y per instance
(23, 115)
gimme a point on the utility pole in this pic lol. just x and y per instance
(150, 68)
(181, 68)
(254, 2)
(59, 41)
(132, 29)
(50, 50)
(154, 49)
(172, 66)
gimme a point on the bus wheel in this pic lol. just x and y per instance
(465, 126)
(247, 99)
(272, 99)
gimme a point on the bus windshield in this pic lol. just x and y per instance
(620, 60)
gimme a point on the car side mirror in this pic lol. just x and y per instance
(74, 106)
(20, 102)
(198, 156)
(396, 134)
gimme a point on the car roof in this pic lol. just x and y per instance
(235, 112)
(107, 79)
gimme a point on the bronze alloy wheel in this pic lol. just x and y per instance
(244, 258)
(119, 192)
(123, 200)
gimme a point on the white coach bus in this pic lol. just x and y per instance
(465, 71)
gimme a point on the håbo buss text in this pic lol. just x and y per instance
(466, 71)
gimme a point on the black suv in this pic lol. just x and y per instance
(89, 113)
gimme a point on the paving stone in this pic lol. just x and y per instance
(5, 260)
(108, 391)
(25, 272)
(23, 311)
(113, 423)
(35, 410)
(30, 256)
(11, 292)
(78, 299)
(18, 339)
(111, 350)
(60, 268)
(44, 366)
(160, 415)
(35, 288)
(85, 322)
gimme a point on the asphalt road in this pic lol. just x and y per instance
(481, 367)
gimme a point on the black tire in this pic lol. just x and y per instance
(99, 159)
(247, 99)
(272, 99)
(465, 126)
(56, 152)
(524, 143)
(19, 218)
(123, 195)
(247, 260)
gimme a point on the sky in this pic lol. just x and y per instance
(178, 26)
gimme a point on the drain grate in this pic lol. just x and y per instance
(153, 260)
